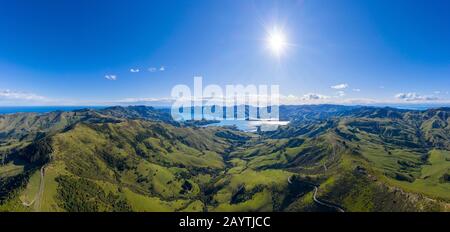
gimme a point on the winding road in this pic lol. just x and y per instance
(316, 189)
(338, 209)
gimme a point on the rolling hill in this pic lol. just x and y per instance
(138, 159)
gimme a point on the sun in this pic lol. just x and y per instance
(276, 41)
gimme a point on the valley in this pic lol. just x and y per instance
(136, 158)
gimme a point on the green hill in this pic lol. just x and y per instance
(138, 159)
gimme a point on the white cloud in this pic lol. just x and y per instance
(144, 99)
(111, 77)
(415, 97)
(309, 98)
(341, 93)
(340, 86)
(19, 98)
(16, 95)
(313, 96)
(155, 69)
(356, 90)
(134, 70)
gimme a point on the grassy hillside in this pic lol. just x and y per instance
(137, 159)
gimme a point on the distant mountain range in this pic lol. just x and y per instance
(137, 158)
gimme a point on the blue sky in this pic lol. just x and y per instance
(81, 52)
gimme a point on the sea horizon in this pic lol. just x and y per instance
(47, 109)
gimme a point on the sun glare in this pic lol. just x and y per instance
(277, 41)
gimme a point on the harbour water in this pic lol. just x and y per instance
(251, 126)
